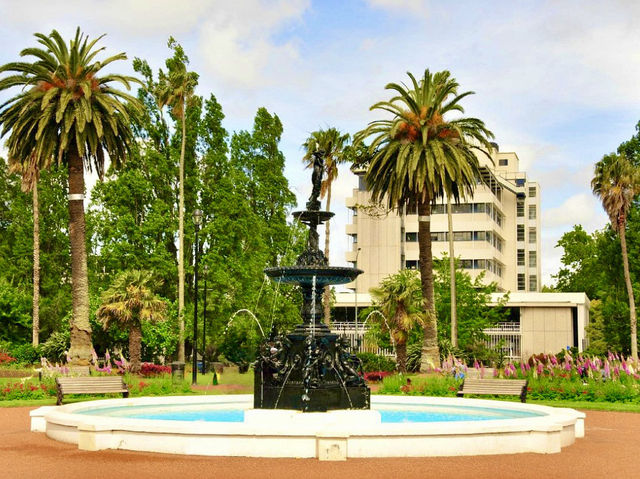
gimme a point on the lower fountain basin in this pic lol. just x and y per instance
(499, 428)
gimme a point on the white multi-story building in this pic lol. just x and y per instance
(497, 230)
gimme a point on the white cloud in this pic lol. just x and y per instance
(581, 209)
(237, 41)
(403, 7)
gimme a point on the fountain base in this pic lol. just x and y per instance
(310, 371)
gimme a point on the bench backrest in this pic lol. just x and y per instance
(488, 386)
(99, 384)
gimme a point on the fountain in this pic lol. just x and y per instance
(310, 400)
(311, 369)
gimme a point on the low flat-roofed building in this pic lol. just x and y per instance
(538, 322)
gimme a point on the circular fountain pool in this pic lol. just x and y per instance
(394, 427)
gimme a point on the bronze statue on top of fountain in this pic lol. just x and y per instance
(312, 255)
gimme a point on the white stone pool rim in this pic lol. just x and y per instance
(335, 435)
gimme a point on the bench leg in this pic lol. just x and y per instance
(59, 394)
(125, 395)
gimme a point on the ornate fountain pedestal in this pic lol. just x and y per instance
(310, 369)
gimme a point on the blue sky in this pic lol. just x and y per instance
(557, 82)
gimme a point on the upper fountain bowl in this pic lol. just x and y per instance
(311, 217)
(324, 275)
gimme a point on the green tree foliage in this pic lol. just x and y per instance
(68, 113)
(399, 298)
(16, 255)
(473, 297)
(131, 301)
(420, 154)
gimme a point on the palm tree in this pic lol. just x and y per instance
(399, 299)
(129, 301)
(418, 156)
(67, 113)
(616, 181)
(331, 142)
(30, 175)
(175, 89)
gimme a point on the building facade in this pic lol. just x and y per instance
(497, 230)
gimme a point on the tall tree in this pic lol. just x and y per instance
(332, 143)
(617, 182)
(399, 299)
(130, 301)
(176, 89)
(418, 156)
(67, 112)
(30, 175)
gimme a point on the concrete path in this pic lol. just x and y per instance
(611, 448)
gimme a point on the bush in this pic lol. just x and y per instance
(373, 362)
(414, 355)
(25, 353)
(6, 359)
(376, 375)
(150, 369)
(55, 347)
(27, 390)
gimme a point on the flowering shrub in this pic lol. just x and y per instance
(27, 390)
(6, 359)
(551, 377)
(150, 369)
(376, 375)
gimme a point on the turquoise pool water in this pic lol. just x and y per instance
(390, 413)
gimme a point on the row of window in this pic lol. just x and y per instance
(533, 258)
(487, 236)
(533, 235)
(522, 282)
(489, 264)
(467, 208)
(533, 210)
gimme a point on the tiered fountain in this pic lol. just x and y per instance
(310, 369)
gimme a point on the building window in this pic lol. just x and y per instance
(411, 264)
(533, 211)
(520, 257)
(533, 283)
(466, 263)
(503, 162)
(362, 183)
(438, 209)
(354, 238)
(441, 236)
(462, 208)
(462, 236)
(479, 208)
(411, 237)
(532, 192)
(479, 235)
(520, 230)
(520, 209)
(533, 259)
(532, 235)
(520, 181)
(521, 283)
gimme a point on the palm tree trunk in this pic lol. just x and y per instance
(135, 341)
(632, 302)
(181, 243)
(327, 289)
(80, 351)
(430, 352)
(36, 266)
(401, 356)
(452, 273)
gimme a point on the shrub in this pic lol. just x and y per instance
(6, 359)
(27, 390)
(373, 362)
(25, 353)
(150, 369)
(55, 347)
(376, 375)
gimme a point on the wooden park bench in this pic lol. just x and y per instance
(90, 385)
(506, 387)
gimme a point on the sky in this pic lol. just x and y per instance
(556, 82)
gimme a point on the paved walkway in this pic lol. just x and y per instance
(611, 448)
